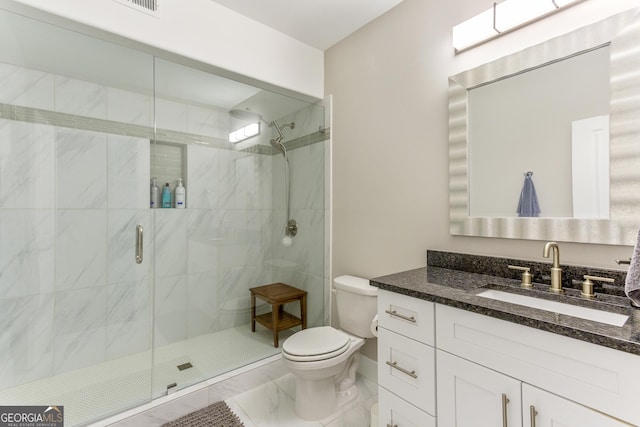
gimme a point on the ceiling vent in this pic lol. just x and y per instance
(149, 7)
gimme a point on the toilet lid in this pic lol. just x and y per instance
(316, 343)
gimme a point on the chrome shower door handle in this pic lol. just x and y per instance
(139, 244)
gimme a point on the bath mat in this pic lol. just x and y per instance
(215, 415)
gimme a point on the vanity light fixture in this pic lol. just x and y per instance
(245, 132)
(502, 18)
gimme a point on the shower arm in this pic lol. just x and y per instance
(278, 127)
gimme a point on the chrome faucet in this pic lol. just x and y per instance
(556, 271)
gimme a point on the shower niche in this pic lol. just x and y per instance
(169, 166)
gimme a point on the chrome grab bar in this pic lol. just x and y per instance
(139, 244)
(394, 365)
(396, 314)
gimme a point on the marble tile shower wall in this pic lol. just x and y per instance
(205, 288)
(302, 264)
(70, 294)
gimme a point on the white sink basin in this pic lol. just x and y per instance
(609, 318)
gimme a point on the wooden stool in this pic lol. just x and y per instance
(278, 294)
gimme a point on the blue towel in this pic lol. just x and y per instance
(528, 203)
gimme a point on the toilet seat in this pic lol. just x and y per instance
(310, 345)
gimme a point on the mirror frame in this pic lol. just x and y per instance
(621, 32)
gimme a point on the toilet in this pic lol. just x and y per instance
(324, 359)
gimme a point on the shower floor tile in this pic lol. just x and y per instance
(111, 387)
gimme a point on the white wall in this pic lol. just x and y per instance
(390, 134)
(205, 31)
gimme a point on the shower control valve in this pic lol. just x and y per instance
(292, 228)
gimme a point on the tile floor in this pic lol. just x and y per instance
(261, 396)
(272, 405)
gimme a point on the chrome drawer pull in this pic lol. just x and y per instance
(394, 365)
(389, 425)
(396, 314)
(532, 415)
(505, 400)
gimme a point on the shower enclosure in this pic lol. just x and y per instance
(85, 123)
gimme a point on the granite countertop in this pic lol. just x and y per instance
(459, 288)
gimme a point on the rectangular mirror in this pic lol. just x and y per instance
(563, 110)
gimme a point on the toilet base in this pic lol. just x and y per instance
(317, 400)
(345, 397)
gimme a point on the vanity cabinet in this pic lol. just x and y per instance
(567, 381)
(490, 370)
(470, 395)
(406, 361)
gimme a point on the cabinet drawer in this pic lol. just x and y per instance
(407, 368)
(393, 411)
(408, 316)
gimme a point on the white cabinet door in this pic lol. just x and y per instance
(470, 395)
(543, 409)
(393, 411)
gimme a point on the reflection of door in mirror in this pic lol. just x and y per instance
(524, 123)
(590, 167)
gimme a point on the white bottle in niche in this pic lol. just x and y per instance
(180, 195)
(155, 193)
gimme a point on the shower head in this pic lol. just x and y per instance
(278, 145)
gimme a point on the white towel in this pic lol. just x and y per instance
(632, 282)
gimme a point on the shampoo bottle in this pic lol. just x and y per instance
(166, 196)
(155, 194)
(180, 195)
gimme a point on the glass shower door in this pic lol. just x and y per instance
(228, 238)
(75, 307)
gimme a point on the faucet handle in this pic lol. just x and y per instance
(587, 285)
(526, 275)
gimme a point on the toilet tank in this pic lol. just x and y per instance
(357, 304)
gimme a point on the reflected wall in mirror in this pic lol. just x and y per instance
(524, 123)
(487, 165)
